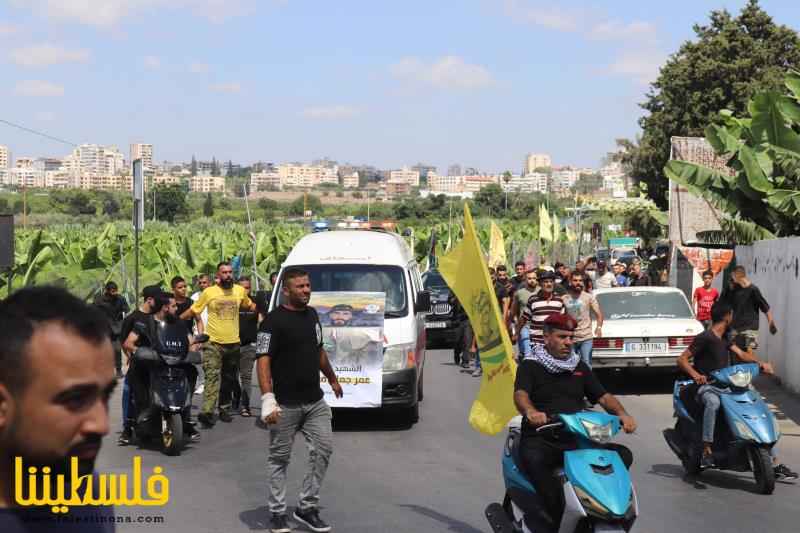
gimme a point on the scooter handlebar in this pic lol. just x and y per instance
(552, 423)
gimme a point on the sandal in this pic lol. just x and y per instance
(245, 412)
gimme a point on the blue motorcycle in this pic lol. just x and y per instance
(744, 434)
(598, 492)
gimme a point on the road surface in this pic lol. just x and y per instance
(439, 475)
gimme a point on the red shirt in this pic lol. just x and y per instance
(705, 299)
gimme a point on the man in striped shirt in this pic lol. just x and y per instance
(541, 305)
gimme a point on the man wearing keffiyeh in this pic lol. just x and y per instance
(553, 380)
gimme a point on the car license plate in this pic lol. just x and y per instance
(435, 325)
(645, 347)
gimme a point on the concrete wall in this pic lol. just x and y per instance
(774, 266)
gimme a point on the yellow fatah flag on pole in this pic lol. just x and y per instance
(465, 273)
(571, 237)
(545, 233)
(556, 229)
(497, 247)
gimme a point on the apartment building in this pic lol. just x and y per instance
(534, 161)
(397, 188)
(5, 157)
(529, 183)
(307, 176)
(442, 184)
(96, 160)
(143, 152)
(262, 180)
(350, 181)
(24, 162)
(26, 176)
(474, 184)
(405, 175)
(206, 184)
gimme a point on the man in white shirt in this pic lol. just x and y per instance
(605, 279)
(203, 282)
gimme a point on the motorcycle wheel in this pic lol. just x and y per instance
(761, 462)
(172, 435)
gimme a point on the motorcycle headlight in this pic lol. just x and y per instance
(589, 503)
(598, 432)
(741, 379)
(399, 356)
(744, 431)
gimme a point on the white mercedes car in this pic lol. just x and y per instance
(643, 327)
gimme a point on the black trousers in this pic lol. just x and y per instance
(541, 455)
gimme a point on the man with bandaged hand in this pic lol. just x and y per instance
(290, 357)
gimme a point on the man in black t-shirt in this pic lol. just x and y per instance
(149, 296)
(114, 307)
(747, 301)
(555, 381)
(248, 331)
(290, 358)
(709, 352)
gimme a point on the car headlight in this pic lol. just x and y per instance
(399, 356)
(589, 503)
(598, 432)
(741, 379)
(744, 431)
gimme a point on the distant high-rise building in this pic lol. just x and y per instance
(454, 170)
(5, 157)
(93, 159)
(405, 175)
(534, 161)
(424, 169)
(143, 152)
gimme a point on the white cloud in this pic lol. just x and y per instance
(38, 88)
(547, 16)
(333, 112)
(614, 30)
(199, 68)
(108, 13)
(152, 62)
(642, 66)
(44, 55)
(8, 29)
(227, 87)
(449, 72)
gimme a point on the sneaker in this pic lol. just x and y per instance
(245, 412)
(192, 433)
(200, 388)
(783, 472)
(280, 524)
(206, 420)
(311, 519)
(126, 437)
(477, 373)
(225, 416)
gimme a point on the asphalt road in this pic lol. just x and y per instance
(440, 474)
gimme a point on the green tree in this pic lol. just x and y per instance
(731, 59)
(225, 204)
(208, 206)
(490, 198)
(214, 167)
(3, 206)
(358, 195)
(588, 183)
(171, 202)
(111, 206)
(312, 203)
(193, 168)
(647, 223)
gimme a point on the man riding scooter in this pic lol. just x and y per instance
(144, 334)
(554, 380)
(710, 351)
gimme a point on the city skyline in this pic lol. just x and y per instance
(384, 85)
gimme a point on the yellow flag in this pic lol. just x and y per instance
(497, 247)
(465, 273)
(544, 224)
(556, 228)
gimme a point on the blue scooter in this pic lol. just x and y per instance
(598, 492)
(745, 432)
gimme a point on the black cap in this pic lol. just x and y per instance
(151, 291)
(546, 274)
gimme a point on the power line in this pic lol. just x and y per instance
(35, 132)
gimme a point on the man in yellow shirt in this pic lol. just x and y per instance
(221, 354)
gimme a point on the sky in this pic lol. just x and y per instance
(388, 83)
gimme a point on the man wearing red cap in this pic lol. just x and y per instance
(555, 381)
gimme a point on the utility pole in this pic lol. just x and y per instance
(24, 204)
(153, 184)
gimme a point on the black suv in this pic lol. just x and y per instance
(443, 322)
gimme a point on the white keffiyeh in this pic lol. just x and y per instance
(552, 364)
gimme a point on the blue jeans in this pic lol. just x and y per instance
(709, 397)
(584, 350)
(523, 342)
(477, 359)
